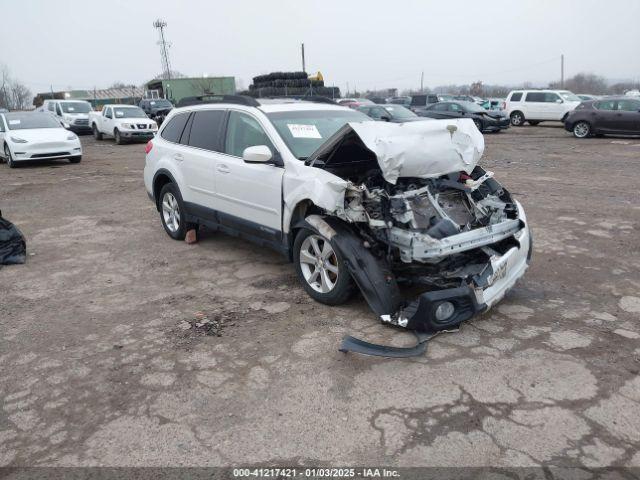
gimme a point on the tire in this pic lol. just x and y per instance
(172, 213)
(97, 134)
(517, 118)
(533, 123)
(478, 124)
(331, 286)
(118, 137)
(581, 129)
(8, 158)
(75, 159)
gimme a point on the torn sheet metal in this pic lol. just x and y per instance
(417, 149)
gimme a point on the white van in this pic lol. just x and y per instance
(73, 114)
(535, 106)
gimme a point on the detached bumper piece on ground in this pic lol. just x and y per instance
(13, 247)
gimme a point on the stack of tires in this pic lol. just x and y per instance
(289, 84)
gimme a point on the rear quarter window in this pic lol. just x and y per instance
(174, 128)
(516, 97)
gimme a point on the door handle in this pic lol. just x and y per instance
(178, 157)
(222, 168)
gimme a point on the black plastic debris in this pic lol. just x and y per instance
(13, 247)
(355, 345)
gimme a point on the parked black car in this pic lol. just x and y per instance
(404, 101)
(612, 115)
(156, 108)
(485, 120)
(389, 113)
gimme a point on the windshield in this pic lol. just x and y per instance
(75, 107)
(129, 112)
(305, 131)
(398, 111)
(569, 97)
(26, 121)
(160, 103)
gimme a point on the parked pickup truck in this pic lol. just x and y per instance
(123, 122)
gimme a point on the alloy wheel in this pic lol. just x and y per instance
(7, 156)
(516, 119)
(581, 129)
(319, 263)
(171, 212)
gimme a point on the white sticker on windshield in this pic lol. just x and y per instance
(119, 114)
(71, 109)
(14, 122)
(304, 131)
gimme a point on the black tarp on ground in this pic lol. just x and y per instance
(13, 247)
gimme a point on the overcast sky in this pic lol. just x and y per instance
(369, 43)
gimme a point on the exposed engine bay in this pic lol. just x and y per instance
(457, 234)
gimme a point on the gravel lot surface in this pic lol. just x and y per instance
(101, 361)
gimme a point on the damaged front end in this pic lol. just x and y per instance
(457, 239)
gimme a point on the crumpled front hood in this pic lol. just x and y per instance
(416, 149)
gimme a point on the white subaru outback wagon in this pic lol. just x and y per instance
(352, 202)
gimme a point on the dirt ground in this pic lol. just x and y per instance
(101, 362)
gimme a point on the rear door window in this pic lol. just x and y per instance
(206, 128)
(515, 97)
(174, 128)
(629, 105)
(535, 97)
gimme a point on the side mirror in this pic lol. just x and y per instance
(385, 118)
(257, 154)
(559, 100)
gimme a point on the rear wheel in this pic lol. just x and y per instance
(581, 130)
(96, 133)
(8, 157)
(172, 212)
(517, 119)
(75, 159)
(321, 268)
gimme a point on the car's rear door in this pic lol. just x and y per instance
(535, 106)
(603, 116)
(197, 155)
(249, 195)
(628, 115)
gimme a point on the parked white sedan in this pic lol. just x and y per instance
(28, 136)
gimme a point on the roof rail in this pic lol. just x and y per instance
(306, 98)
(203, 99)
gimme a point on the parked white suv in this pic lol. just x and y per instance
(348, 200)
(535, 106)
(73, 114)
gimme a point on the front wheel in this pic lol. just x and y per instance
(172, 212)
(517, 119)
(75, 159)
(581, 130)
(118, 137)
(8, 157)
(478, 123)
(321, 268)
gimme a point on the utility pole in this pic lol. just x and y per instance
(562, 71)
(164, 48)
(422, 82)
(303, 64)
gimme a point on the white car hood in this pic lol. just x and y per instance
(416, 149)
(41, 135)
